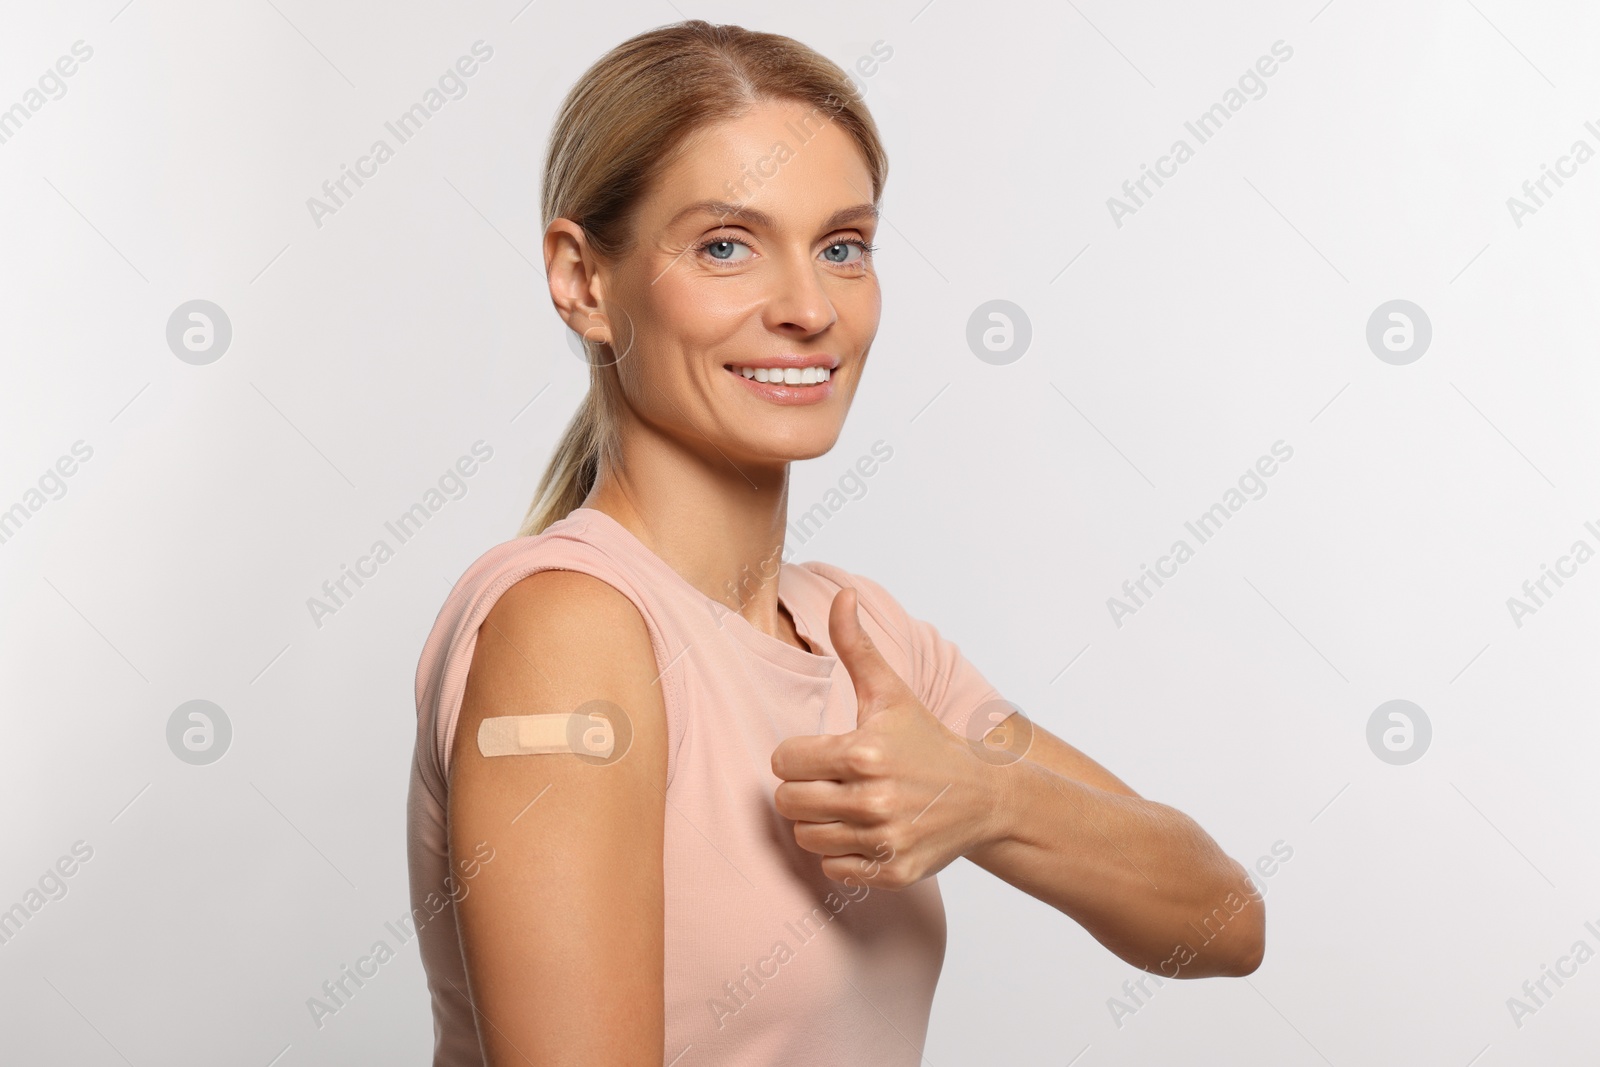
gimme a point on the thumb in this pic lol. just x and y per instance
(877, 685)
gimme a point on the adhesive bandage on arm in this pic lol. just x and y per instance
(517, 735)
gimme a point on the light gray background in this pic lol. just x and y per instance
(1167, 354)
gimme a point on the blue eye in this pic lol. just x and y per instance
(866, 250)
(716, 246)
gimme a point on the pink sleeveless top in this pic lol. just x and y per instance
(767, 960)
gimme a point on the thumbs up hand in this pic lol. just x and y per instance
(897, 798)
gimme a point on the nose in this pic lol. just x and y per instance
(799, 302)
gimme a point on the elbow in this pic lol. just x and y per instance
(1251, 951)
(1231, 941)
(1249, 945)
(1238, 941)
(1250, 940)
(1241, 957)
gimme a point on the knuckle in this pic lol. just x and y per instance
(863, 758)
(875, 801)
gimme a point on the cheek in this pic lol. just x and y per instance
(712, 315)
(864, 298)
(696, 314)
(860, 312)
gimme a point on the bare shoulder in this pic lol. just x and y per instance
(554, 641)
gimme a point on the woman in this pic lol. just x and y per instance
(677, 801)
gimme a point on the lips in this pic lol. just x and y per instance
(782, 392)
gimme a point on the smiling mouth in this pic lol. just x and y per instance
(782, 376)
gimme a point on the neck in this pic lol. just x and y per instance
(720, 526)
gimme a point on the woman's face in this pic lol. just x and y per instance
(752, 250)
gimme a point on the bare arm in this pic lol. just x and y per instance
(567, 922)
(1142, 877)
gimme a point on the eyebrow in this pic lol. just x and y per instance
(724, 209)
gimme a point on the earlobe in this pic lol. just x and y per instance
(598, 333)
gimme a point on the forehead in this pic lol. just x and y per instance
(788, 160)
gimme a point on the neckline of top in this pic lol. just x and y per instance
(765, 645)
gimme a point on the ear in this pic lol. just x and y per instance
(577, 283)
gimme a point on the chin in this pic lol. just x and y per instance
(789, 448)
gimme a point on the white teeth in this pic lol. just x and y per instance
(787, 376)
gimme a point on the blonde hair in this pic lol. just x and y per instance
(619, 127)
